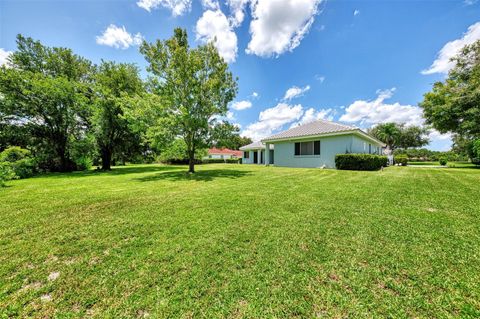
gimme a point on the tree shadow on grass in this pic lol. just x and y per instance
(119, 170)
(204, 175)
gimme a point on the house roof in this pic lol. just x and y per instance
(224, 151)
(255, 146)
(318, 128)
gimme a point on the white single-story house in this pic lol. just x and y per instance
(313, 144)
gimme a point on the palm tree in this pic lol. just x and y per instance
(389, 133)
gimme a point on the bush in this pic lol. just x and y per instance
(84, 163)
(401, 160)
(360, 162)
(19, 162)
(14, 153)
(6, 173)
(442, 161)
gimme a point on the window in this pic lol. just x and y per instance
(246, 154)
(369, 148)
(307, 148)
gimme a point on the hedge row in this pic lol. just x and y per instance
(360, 162)
(205, 161)
(219, 160)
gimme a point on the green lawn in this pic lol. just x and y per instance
(242, 241)
(449, 164)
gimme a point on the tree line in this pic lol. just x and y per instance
(69, 112)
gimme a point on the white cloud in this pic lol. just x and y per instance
(214, 26)
(237, 10)
(230, 115)
(279, 25)
(295, 91)
(273, 119)
(377, 111)
(320, 78)
(118, 37)
(254, 94)
(211, 4)
(442, 63)
(356, 12)
(311, 115)
(3, 56)
(178, 7)
(470, 2)
(241, 105)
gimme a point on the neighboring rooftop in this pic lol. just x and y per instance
(224, 151)
(255, 146)
(313, 128)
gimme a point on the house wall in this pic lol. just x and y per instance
(329, 147)
(361, 146)
(260, 154)
(248, 160)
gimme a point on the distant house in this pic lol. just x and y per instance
(223, 153)
(311, 145)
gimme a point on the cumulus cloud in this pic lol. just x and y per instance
(368, 112)
(295, 91)
(371, 113)
(118, 37)
(213, 26)
(279, 25)
(178, 7)
(230, 115)
(3, 56)
(273, 119)
(254, 94)
(211, 4)
(237, 10)
(241, 105)
(312, 114)
(442, 63)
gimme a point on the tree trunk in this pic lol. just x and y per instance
(106, 159)
(191, 161)
(66, 164)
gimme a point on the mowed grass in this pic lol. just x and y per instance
(242, 241)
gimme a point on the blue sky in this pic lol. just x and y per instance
(358, 62)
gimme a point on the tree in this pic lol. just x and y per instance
(399, 135)
(114, 82)
(454, 104)
(195, 86)
(226, 136)
(45, 93)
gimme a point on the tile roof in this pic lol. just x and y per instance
(313, 128)
(255, 145)
(224, 151)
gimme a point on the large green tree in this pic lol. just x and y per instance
(115, 84)
(396, 135)
(195, 85)
(453, 105)
(45, 92)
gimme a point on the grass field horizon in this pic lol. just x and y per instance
(242, 241)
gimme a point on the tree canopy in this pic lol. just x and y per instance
(399, 135)
(114, 83)
(45, 92)
(453, 105)
(195, 87)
